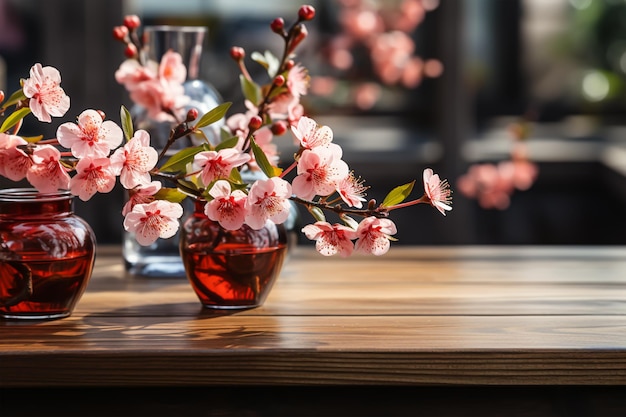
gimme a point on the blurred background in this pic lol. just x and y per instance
(459, 86)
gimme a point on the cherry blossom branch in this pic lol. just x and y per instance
(290, 168)
(422, 200)
(379, 212)
(181, 130)
(237, 53)
(175, 178)
(292, 38)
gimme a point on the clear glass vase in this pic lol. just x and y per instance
(162, 259)
(47, 254)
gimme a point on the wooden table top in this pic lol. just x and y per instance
(416, 316)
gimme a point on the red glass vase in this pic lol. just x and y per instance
(231, 269)
(47, 254)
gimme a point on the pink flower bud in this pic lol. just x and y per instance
(132, 21)
(130, 51)
(192, 115)
(306, 12)
(1, 96)
(237, 53)
(120, 33)
(279, 80)
(255, 123)
(300, 33)
(277, 25)
(279, 127)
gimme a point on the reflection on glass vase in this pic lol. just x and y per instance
(162, 259)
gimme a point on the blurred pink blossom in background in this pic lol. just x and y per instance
(492, 184)
(383, 29)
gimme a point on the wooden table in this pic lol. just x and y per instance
(471, 319)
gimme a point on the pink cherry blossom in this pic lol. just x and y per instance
(134, 161)
(172, 69)
(227, 208)
(298, 81)
(352, 190)
(485, 183)
(158, 219)
(158, 88)
(310, 135)
(263, 138)
(131, 73)
(47, 174)
(390, 52)
(319, 169)
(409, 15)
(157, 96)
(14, 162)
(493, 184)
(374, 234)
(339, 54)
(285, 106)
(294, 113)
(141, 194)
(361, 23)
(47, 98)
(214, 165)
(92, 175)
(366, 95)
(331, 239)
(437, 191)
(91, 136)
(238, 122)
(238, 125)
(323, 85)
(268, 200)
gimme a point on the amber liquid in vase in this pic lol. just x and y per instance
(234, 274)
(57, 284)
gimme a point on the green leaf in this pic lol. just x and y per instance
(189, 186)
(14, 118)
(170, 194)
(14, 98)
(225, 133)
(228, 143)
(398, 194)
(251, 90)
(235, 180)
(32, 139)
(127, 123)
(213, 115)
(180, 159)
(262, 161)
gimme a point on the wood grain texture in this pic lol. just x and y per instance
(418, 316)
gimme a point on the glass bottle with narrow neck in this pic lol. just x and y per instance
(162, 259)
